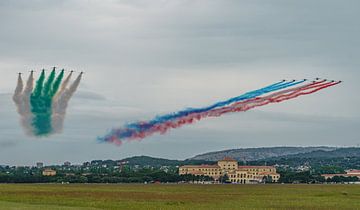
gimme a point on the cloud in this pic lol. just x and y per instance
(144, 58)
(87, 95)
(6, 144)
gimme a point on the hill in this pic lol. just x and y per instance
(143, 161)
(337, 153)
(290, 156)
(326, 161)
(253, 154)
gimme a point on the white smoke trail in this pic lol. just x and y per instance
(61, 102)
(22, 101)
(27, 115)
(17, 97)
(63, 87)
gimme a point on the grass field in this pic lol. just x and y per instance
(91, 196)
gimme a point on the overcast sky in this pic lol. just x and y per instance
(144, 58)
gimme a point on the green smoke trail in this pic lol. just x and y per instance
(41, 102)
(48, 84)
(57, 84)
(39, 85)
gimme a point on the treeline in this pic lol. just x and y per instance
(308, 177)
(140, 176)
(151, 176)
(316, 163)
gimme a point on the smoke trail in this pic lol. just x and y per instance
(273, 98)
(39, 85)
(160, 119)
(26, 117)
(56, 84)
(48, 85)
(18, 93)
(40, 106)
(61, 103)
(35, 105)
(117, 136)
(139, 127)
(57, 119)
(245, 106)
(62, 88)
(22, 101)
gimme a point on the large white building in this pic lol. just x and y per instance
(236, 173)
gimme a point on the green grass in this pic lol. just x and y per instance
(92, 196)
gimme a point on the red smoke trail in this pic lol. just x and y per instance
(236, 107)
(275, 97)
(294, 90)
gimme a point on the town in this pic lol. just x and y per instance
(145, 169)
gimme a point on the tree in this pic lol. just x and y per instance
(224, 179)
(267, 179)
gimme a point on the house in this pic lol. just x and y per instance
(49, 172)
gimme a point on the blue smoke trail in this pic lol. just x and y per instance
(252, 94)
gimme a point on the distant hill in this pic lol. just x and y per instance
(341, 158)
(158, 162)
(253, 154)
(291, 156)
(150, 161)
(337, 153)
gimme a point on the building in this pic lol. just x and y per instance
(353, 172)
(49, 172)
(235, 173)
(204, 170)
(39, 165)
(257, 173)
(228, 164)
(348, 173)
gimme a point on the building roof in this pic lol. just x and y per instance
(334, 175)
(263, 167)
(200, 166)
(48, 169)
(228, 159)
(353, 171)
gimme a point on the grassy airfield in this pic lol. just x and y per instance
(93, 196)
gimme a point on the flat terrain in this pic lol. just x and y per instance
(93, 196)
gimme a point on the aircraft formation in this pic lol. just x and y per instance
(274, 93)
(42, 107)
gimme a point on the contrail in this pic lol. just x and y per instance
(117, 136)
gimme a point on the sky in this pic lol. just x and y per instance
(144, 58)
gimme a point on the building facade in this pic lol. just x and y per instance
(236, 174)
(49, 172)
(201, 170)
